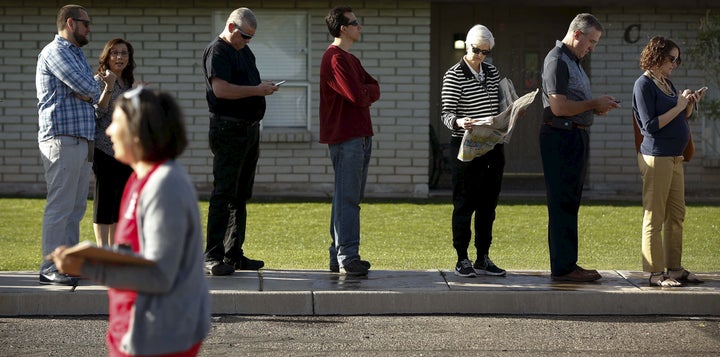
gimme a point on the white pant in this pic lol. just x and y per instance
(67, 172)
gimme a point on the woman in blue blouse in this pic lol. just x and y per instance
(661, 112)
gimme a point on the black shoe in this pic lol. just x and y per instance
(485, 266)
(465, 269)
(56, 278)
(249, 264)
(355, 267)
(366, 264)
(335, 267)
(216, 268)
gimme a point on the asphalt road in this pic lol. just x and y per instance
(393, 335)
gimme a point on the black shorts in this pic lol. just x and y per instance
(110, 178)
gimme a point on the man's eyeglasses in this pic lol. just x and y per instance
(353, 23)
(243, 34)
(478, 51)
(120, 54)
(85, 22)
(675, 60)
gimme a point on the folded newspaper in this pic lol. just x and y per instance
(498, 129)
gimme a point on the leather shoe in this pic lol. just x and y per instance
(246, 263)
(578, 275)
(216, 268)
(587, 270)
(57, 278)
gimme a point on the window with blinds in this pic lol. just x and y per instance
(281, 51)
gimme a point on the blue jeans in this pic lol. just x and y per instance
(565, 156)
(67, 172)
(350, 161)
(235, 145)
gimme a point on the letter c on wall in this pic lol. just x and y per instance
(632, 33)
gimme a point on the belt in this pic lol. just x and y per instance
(574, 125)
(78, 138)
(233, 119)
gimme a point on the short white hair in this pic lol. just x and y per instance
(479, 34)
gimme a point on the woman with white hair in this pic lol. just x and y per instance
(470, 94)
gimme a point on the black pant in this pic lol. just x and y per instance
(110, 178)
(565, 155)
(476, 189)
(235, 145)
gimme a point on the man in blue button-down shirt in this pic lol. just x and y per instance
(66, 92)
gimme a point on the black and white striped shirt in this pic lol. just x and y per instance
(463, 95)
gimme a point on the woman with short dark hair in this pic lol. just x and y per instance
(162, 308)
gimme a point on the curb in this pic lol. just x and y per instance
(389, 292)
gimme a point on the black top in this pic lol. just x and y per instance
(223, 61)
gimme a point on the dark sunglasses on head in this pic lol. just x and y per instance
(675, 60)
(478, 51)
(85, 22)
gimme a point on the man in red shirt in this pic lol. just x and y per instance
(346, 93)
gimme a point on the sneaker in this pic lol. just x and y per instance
(464, 268)
(249, 264)
(485, 266)
(216, 268)
(355, 267)
(57, 278)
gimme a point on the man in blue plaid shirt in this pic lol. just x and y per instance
(66, 93)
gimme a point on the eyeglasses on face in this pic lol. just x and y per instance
(243, 34)
(478, 51)
(675, 60)
(85, 22)
(119, 53)
(353, 23)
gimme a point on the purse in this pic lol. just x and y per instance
(688, 153)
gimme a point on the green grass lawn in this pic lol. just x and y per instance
(408, 234)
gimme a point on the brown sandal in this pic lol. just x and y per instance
(684, 276)
(663, 281)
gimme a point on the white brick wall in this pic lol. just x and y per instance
(169, 41)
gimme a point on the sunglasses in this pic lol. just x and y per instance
(243, 34)
(353, 23)
(675, 60)
(85, 22)
(134, 96)
(478, 51)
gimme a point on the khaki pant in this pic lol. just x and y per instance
(663, 200)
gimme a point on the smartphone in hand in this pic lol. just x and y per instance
(279, 83)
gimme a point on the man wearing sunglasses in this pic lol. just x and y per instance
(568, 110)
(346, 93)
(236, 100)
(66, 92)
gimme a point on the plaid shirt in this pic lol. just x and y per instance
(62, 71)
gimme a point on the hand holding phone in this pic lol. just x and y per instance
(279, 83)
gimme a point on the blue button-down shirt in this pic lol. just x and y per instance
(62, 71)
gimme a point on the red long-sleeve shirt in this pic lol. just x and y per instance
(346, 92)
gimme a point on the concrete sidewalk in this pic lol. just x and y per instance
(312, 292)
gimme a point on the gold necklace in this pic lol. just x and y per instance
(661, 83)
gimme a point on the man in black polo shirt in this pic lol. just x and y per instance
(236, 99)
(568, 110)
